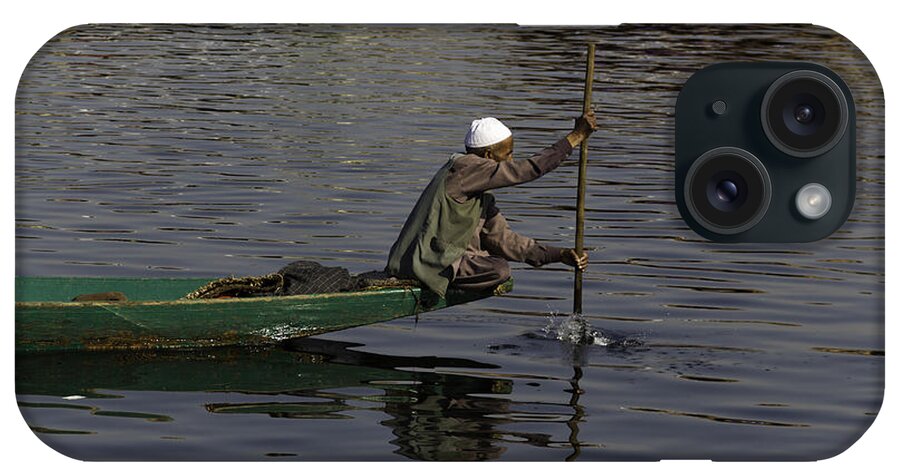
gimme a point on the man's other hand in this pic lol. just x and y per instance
(572, 259)
(587, 123)
(584, 127)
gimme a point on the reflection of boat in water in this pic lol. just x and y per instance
(436, 412)
(221, 369)
(157, 316)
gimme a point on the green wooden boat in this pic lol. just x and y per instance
(156, 316)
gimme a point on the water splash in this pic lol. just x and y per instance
(575, 329)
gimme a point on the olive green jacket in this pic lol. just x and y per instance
(436, 234)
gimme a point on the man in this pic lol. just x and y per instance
(455, 236)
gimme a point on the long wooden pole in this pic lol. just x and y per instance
(582, 172)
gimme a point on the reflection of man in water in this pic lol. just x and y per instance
(445, 420)
(455, 235)
(434, 416)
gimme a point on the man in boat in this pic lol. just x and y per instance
(455, 235)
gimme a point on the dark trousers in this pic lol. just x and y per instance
(480, 272)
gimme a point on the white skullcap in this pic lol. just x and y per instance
(486, 131)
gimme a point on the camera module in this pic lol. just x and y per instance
(765, 152)
(804, 113)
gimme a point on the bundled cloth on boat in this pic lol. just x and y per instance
(299, 277)
(309, 277)
(247, 286)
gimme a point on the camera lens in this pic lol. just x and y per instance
(727, 190)
(804, 113)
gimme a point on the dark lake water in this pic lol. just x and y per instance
(220, 150)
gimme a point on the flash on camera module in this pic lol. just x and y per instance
(813, 201)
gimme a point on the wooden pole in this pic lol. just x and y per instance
(582, 172)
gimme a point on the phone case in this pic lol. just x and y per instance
(173, 151)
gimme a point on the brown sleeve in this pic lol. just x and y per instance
(498, 239)
(471, 175)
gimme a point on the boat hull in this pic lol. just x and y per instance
(155, 317)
